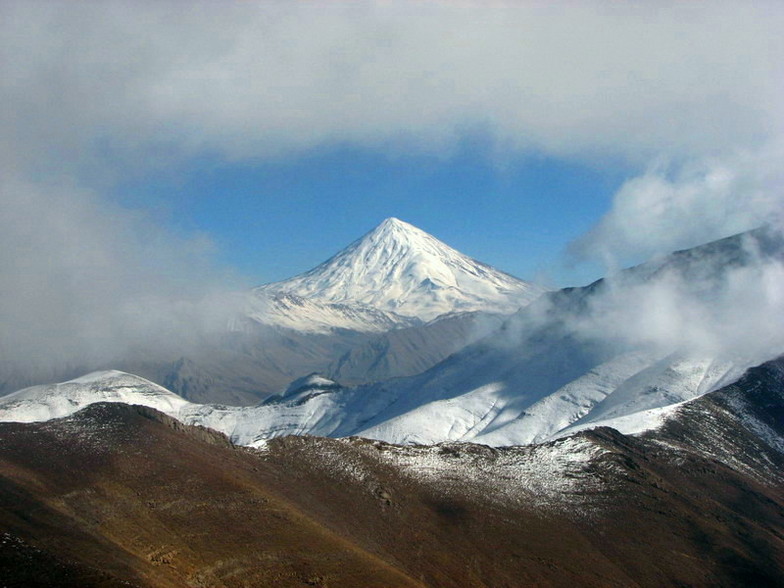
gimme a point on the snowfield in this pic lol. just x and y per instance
(630, 393)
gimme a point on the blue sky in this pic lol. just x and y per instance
(271, 220)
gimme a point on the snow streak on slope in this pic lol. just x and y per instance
(399, 269)
(291, 311)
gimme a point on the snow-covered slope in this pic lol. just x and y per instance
(408, 410)
(41, 403)
(508, 411)
(401, 271)
(307, 315)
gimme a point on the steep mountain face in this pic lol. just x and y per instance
(543, 372)
(412, 350)
(118, 495)
(404, 273)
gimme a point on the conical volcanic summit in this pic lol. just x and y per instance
(398, 268)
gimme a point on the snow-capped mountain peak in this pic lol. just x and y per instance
(400, 269)
(392, 225)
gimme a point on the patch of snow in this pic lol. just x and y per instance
(550, 476)
(629, 424)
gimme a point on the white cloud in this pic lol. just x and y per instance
(250, 79)
(735, 313)
(82, 282)
(679, 205)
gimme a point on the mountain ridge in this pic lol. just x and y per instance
(535, 378)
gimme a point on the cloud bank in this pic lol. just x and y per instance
(725, 303)
(722, 302)
(271, 79)
(679, 205)
(83, 283)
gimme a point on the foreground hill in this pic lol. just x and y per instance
(117, 495)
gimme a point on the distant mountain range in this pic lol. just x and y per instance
(534, 378)
(393, 303)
